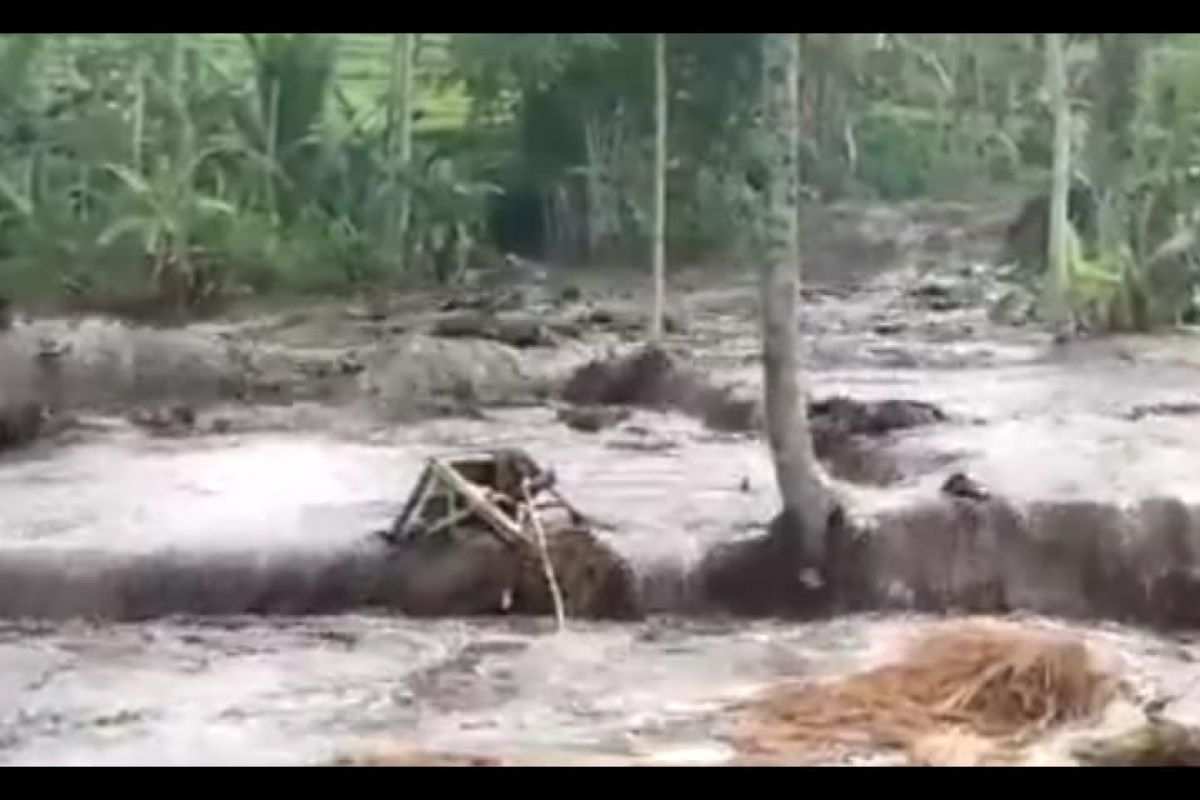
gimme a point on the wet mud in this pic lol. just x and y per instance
(476, 577)
(1071, 559)
(841, 427)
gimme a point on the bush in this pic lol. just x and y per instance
(897, 150)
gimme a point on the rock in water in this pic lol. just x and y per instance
(592, 419)
(960, 484)
(21, 425)
(1157, 743)
(174, 420)
(944, 294)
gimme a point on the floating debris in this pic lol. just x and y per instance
(1162, 409)
(960, 484)
(975, 692)
(561, 567)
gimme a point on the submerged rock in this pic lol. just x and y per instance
(1014, 306)
(592, 419)
(21, 425)
(651, 377)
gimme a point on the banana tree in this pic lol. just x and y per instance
(165, 211)
(44, 203)
(448, 212)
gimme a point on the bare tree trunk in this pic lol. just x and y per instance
(1057, 256)
(271, 191)
(659, 256)
(400, 131)
(139, 112)
(808, 499)
(594, 188)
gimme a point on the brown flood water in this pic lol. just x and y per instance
(1028, 420)
(295, 691)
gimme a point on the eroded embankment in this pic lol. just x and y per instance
(52, 369)
(470, 576)
(1074, 559)
(920, 550)
(1135, 563)
(842, 428)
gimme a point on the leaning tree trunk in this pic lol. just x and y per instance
(1057, 256)
(808, 499)
(659, 256)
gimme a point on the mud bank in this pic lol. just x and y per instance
(96, 363)
(675, 514)
(54, 368)
(842, 427)
(473, 577)
(1073, 559)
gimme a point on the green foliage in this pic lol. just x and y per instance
(898, 150)
(44, 214)
(1144, 155)
(448, 217)
(293, 77)
(1102, 293)
(124, 158)
(19, 58)
(164, 209)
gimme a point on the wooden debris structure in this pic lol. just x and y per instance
(561, 567)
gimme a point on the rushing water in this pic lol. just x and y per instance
(297, 691)
(293, 691)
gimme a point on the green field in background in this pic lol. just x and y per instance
(363, 69)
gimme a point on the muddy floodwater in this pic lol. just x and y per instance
(296, 691)
(1111, 421)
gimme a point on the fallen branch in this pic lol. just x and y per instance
(502, 525)
(414, 504)
(449, 521)
(560, 615)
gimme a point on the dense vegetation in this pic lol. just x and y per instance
(183, 165)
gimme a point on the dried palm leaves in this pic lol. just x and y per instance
(969, 693)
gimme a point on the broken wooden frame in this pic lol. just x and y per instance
(486, 485)
(492, 487)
